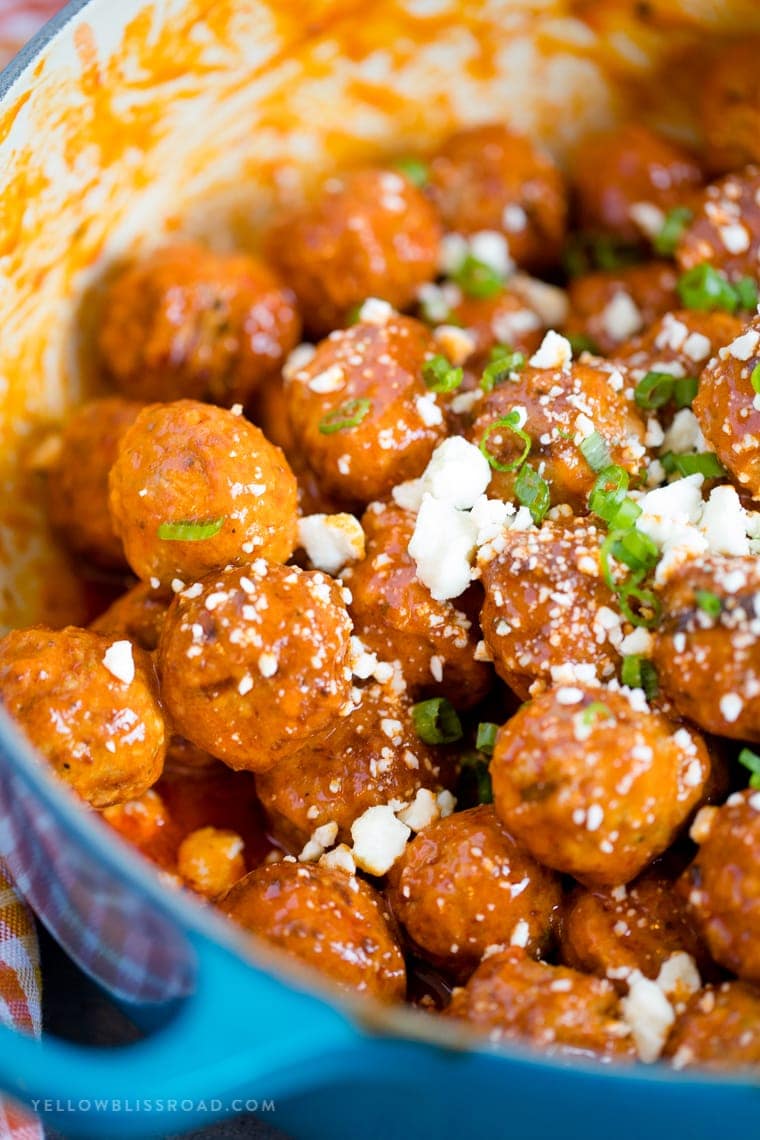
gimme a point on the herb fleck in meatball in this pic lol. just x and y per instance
(90, 706)
(196, 488)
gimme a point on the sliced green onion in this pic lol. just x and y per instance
(436, 721)
(754, 378)
(440, 375)
(703, 287)
(646, 599)
(595, 451)
(474, 766)
(579, 343)
(751, 760)
(668, 461)
(746, 292)
(625, 516)
(512, 423)
(477, 279)
(414, 169)
(532, 491)
(706, 463)
(594, 711)
(608, 492)
(708, 602)
(348, 415)
(676, 221)
(503, 361)
(685, 389)
(639, 673)
(611, 253)
(636, 550)
(486, 737)
(654, 390)
(190, 530)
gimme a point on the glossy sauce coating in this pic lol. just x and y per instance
(331, 921)
(137, 615)
(725, 230)
(680, 343)
(719, 1029)
(609, 306)
(730, 106)
(103, 735)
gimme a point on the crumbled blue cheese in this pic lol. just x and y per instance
(379, 839)
(555, 351)
(649, 1015)
(331, 541)
(442, 547)
(458, 474)
(119, 661)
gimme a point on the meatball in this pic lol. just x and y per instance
(612, 932)
(331, 921)
(360, 411)
(561, 406)
(368, 233)
(593, 784)
(195, 488)
(90, 706)
(137, 615)
(77, 488)
(511, 996)
(490, 178)
(396, 617)
(616, 173)
(719, 1029)
(725, 230)
(210, 860)
(612, 305)
(507, 318)
(255, 660)
(546, 603)
(186, 322)
(464, 884)
(722, 885)
(680, 343)
(729, 105)
(726, 410)
(706, 649)
(146, 823)
(372, 756)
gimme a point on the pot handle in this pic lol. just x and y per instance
(242, 1032)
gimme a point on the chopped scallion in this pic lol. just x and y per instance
(189, 530)
(746, 293)
(486, 737)
(754, 378)
(348, 415)
(512, 423)
(708, 602)
(676, 221)
(594, 711)
(751, 760)
(685, 389)
(503, 361)
(639, 673)
(654, 390)
(703, 287)
(436, 721)
(532, 491)
(477, 279)
(595, 451)
(414, 169)
(440, 375)
(706, 463)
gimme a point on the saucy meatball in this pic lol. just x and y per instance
(372, 756)
(679, 343)
(255, 660)
(506, 318)
(726, 407)
(210, 860)
(397, 618)
(331, 921)
(186, 322)
(137, 615)
(706, 649)
(725, 229)
(612, 305)
(491, 178)
(195, 488)
(730, 106)
(561, 1010)
(722, 885)
(146, 824)
(90, 705)
(616, 172)
(611, 932)
(593, 784)
(368, 233)
(360, 410)
(546, 603)
(559, 407)
(719, 1029)
(464, 884)
(77, 487)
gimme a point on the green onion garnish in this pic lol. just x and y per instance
(486, 737)
(436, 721)
(414, 169)
(706, 463)
(579, 343)
(190, 530)
(512, 423)
(477, 279)
(532, 491)
(645, 599)
(685, 389)
(473, 764)
(608, 499)
(594, 711)
(746, 292)
(708, 602)
(754, 378)
(676, 221)
(703, 287)
(503, 361)
(441, 376)
(751, 760)
(636, 550)
(654, 390)
(639, 673)
(348, 415)
(595, 451)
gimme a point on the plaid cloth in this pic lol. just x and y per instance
(20, 985)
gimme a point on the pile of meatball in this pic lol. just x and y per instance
(431, 536)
